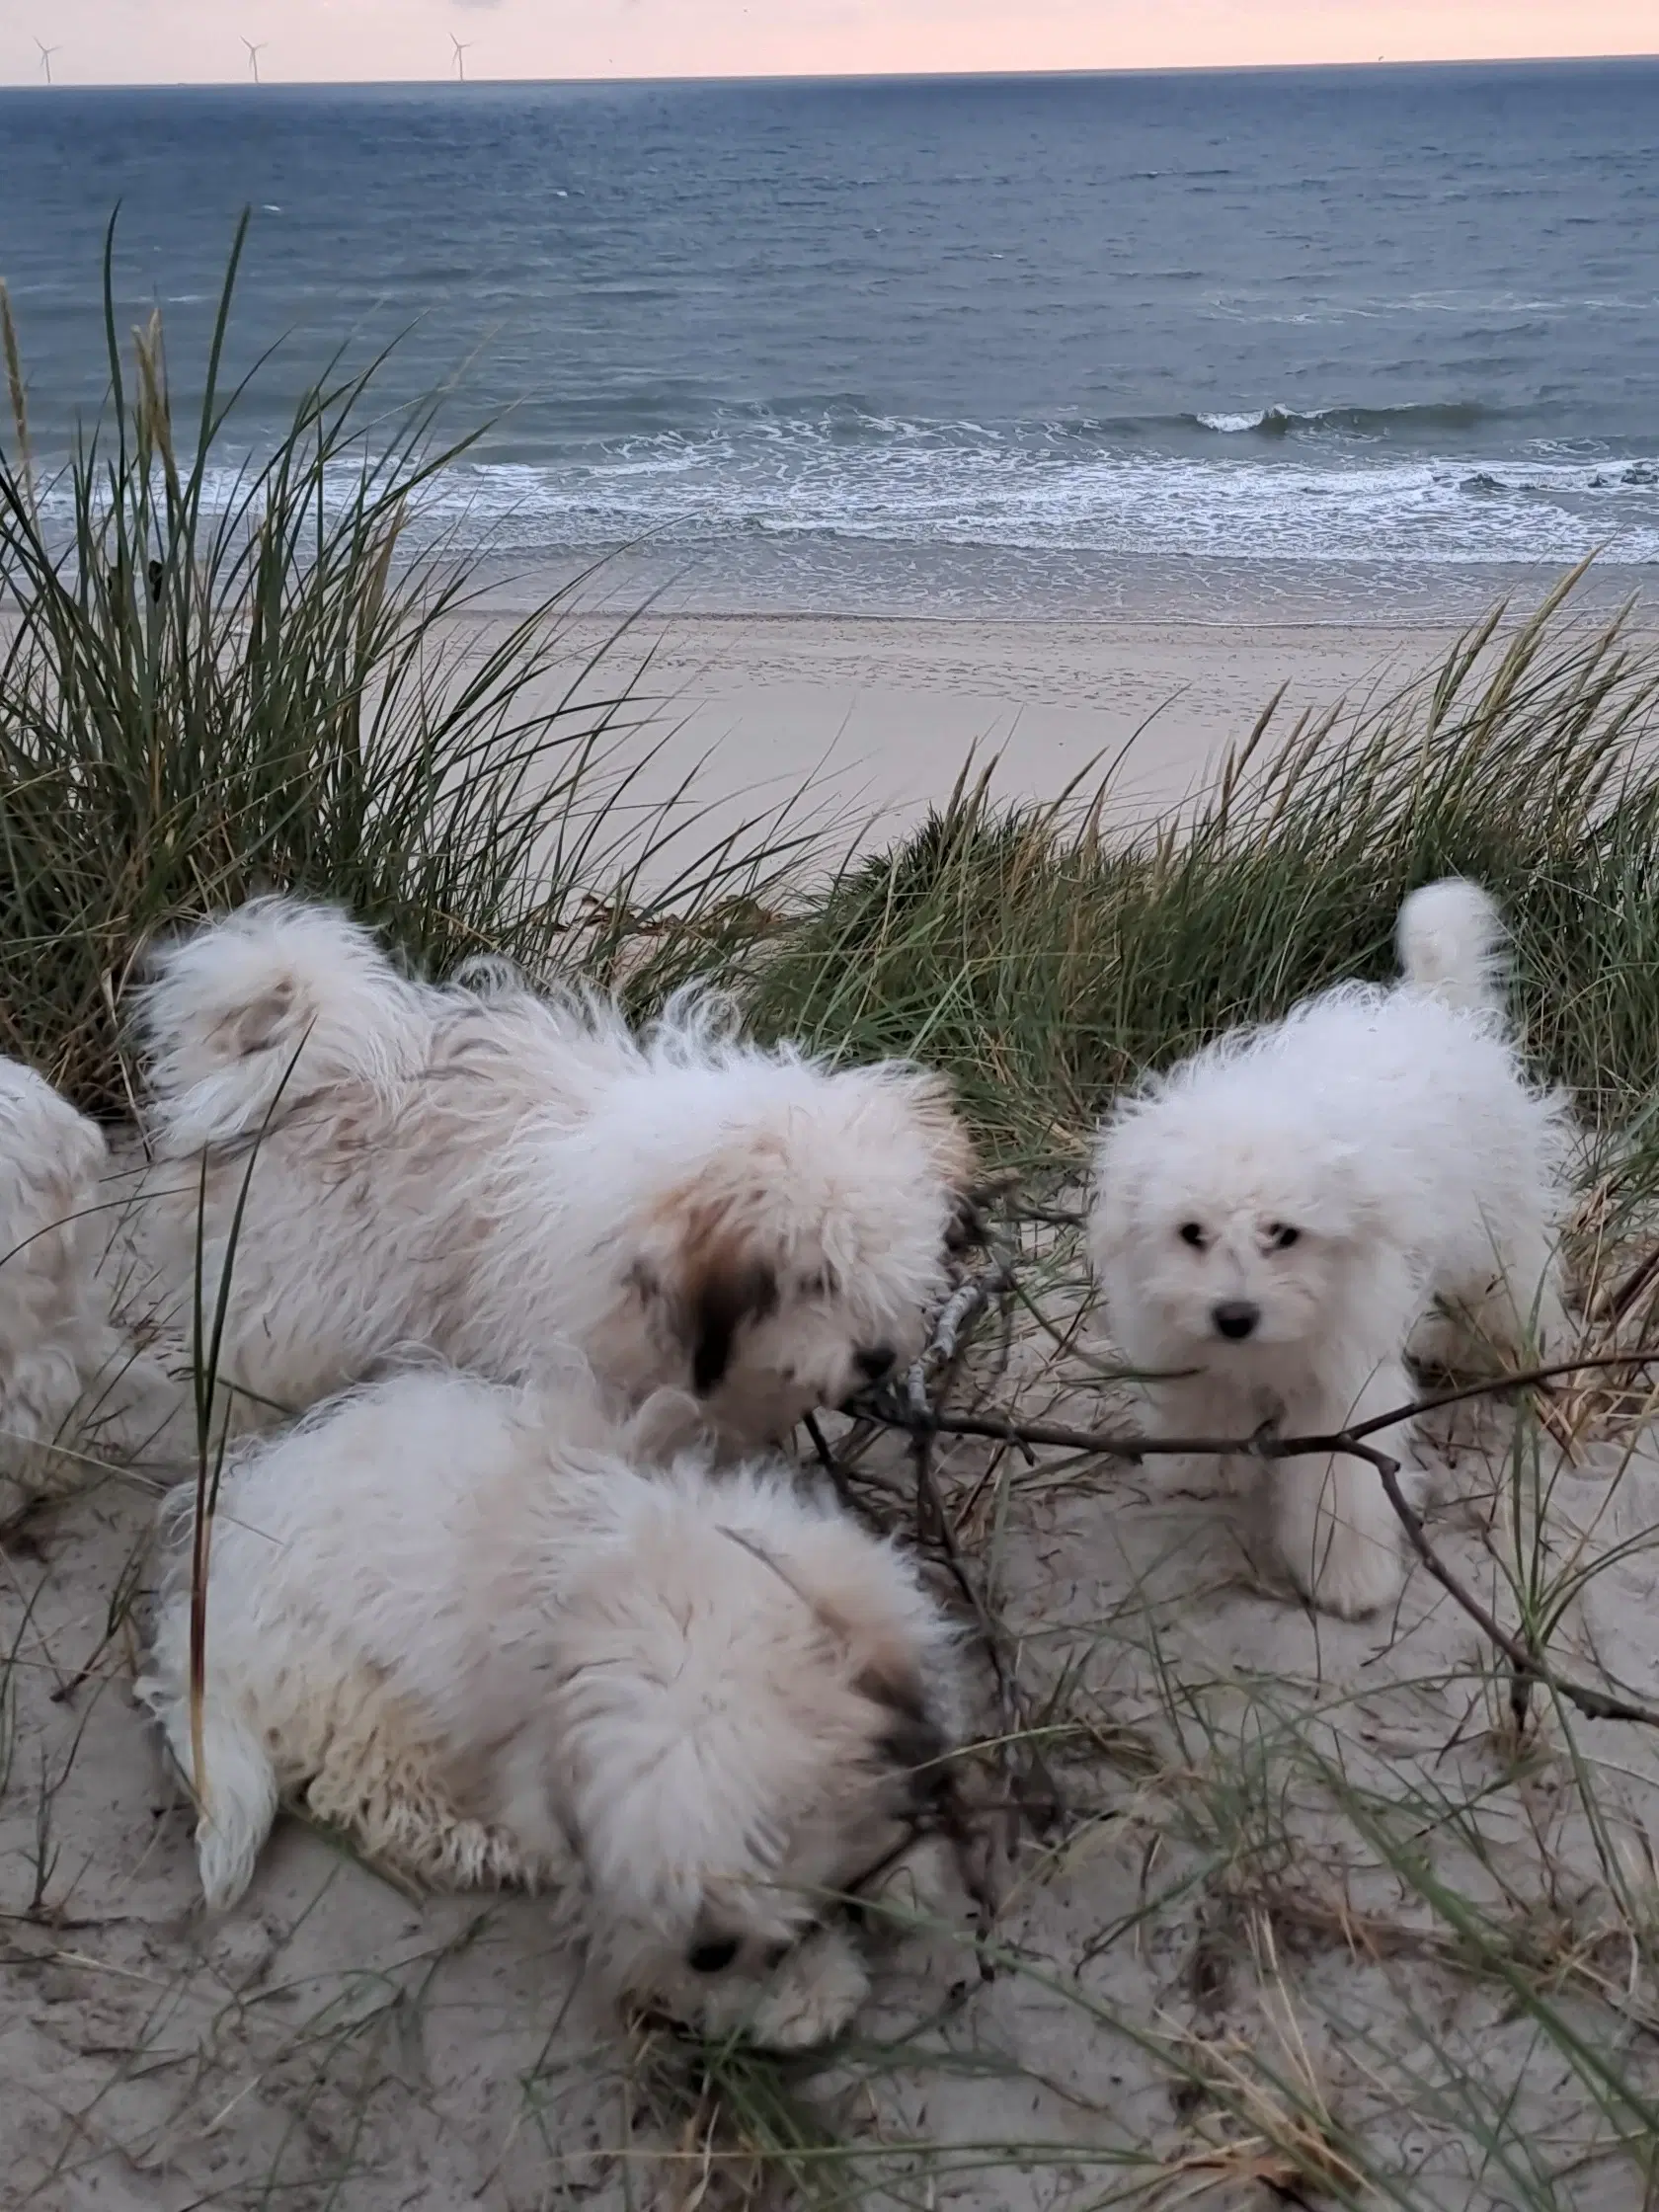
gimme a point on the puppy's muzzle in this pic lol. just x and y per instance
(1235, 1317)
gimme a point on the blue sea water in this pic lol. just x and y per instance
(963, 342)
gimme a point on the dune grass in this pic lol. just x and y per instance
(221, 675)
(204, 692)
(1046, 960)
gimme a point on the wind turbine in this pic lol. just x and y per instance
(47, 53)
(254, 53)
(460, 57)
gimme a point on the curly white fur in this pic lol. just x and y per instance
(71, 1389)
(1279, 1216)
(454, 1618)
(494, 1174)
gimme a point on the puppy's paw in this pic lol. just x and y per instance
(1337, 1531)
(1354, 1573)
(916, 1887)
(1439, 1342)
(811, 1997)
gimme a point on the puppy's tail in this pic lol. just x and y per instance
(1450, 938)
(269, 1005)
(236, 1792)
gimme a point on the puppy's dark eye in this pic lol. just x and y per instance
(1191, 1233)
(712, 1957)
(1282, 1236)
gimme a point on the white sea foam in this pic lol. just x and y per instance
(1054, 489)
(913, 487)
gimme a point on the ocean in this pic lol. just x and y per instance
(1322, 337)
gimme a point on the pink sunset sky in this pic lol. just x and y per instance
(200, 40)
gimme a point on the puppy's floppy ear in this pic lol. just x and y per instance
(705, 1282)
(721, 1286)
(891, 1644)
(727, 1294)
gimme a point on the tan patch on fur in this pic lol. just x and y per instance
(885, 1660)
(699, 1224)
(260, 1026)
(707, 1246)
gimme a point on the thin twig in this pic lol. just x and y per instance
(1034, 1791)
(957, 1316)
(1132, 1446)
(828, 1461)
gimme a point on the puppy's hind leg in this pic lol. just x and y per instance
(1338, 1534)
(380, 1775)
(1513, 1314)
(1523, 1312)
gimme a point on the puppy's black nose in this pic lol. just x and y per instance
(873, 1361)
(1234, 1317)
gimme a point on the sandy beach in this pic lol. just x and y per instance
(858, 724)
(884, 713)
(1204, 1928)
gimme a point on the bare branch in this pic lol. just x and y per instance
(1595, 1705)
(917, 1415)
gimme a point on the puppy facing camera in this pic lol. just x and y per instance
(1280, 1219)
(493, 1174)
(457, 1622)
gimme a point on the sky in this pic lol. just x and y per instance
(149, 42)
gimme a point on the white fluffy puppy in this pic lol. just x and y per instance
(1276, 1218)
(452, 1619)
(70, 1388)
(496, 1174)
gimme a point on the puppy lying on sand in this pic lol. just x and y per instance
(497, 1175)
(452, 1619)
(1277, 1219)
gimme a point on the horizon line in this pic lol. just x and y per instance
(847, 76)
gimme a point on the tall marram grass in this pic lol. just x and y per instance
(221, 675)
